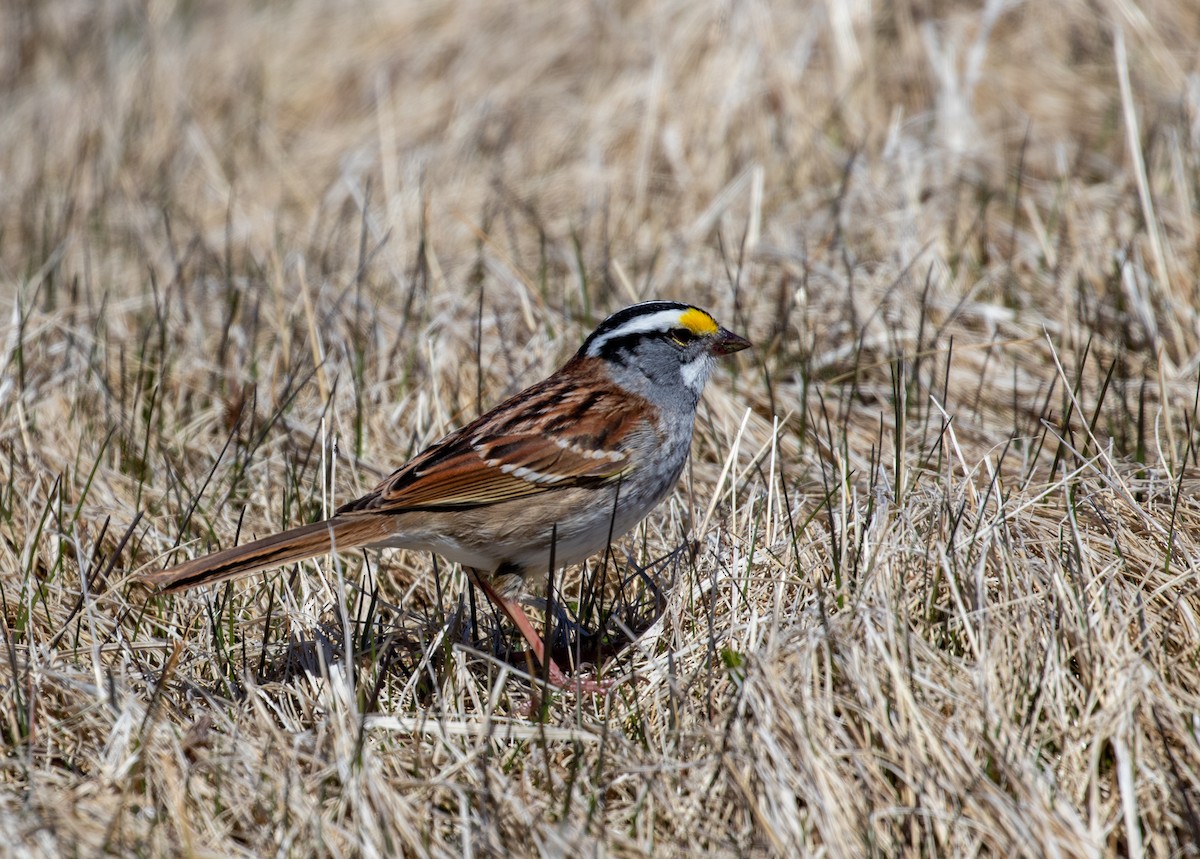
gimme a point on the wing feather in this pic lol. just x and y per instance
(552, 436)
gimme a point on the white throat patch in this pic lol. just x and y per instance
(695, 373)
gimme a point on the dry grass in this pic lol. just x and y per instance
(944, 599)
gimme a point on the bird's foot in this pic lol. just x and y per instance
(582, 681)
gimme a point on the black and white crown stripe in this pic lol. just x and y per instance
(645, 318)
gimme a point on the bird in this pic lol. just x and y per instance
(550, 475)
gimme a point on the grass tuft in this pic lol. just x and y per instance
(928, 586)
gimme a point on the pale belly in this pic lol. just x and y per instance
(517, 535)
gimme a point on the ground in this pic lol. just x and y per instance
(929, 585)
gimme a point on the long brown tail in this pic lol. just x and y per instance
(288, 547)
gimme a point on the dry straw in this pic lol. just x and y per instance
(929, 586)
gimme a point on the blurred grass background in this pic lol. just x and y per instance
(942, 595)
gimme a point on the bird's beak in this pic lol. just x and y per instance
(725, 342)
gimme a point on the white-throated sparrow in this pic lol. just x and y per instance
(584, 455)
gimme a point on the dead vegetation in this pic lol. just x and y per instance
(929, 586)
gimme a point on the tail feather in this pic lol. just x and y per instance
(298, 544)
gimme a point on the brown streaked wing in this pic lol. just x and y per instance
(556, 434)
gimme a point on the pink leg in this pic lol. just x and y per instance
(513, 611)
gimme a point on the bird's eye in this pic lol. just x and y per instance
(682, 336)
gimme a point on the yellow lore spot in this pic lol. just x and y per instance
(698, 322)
